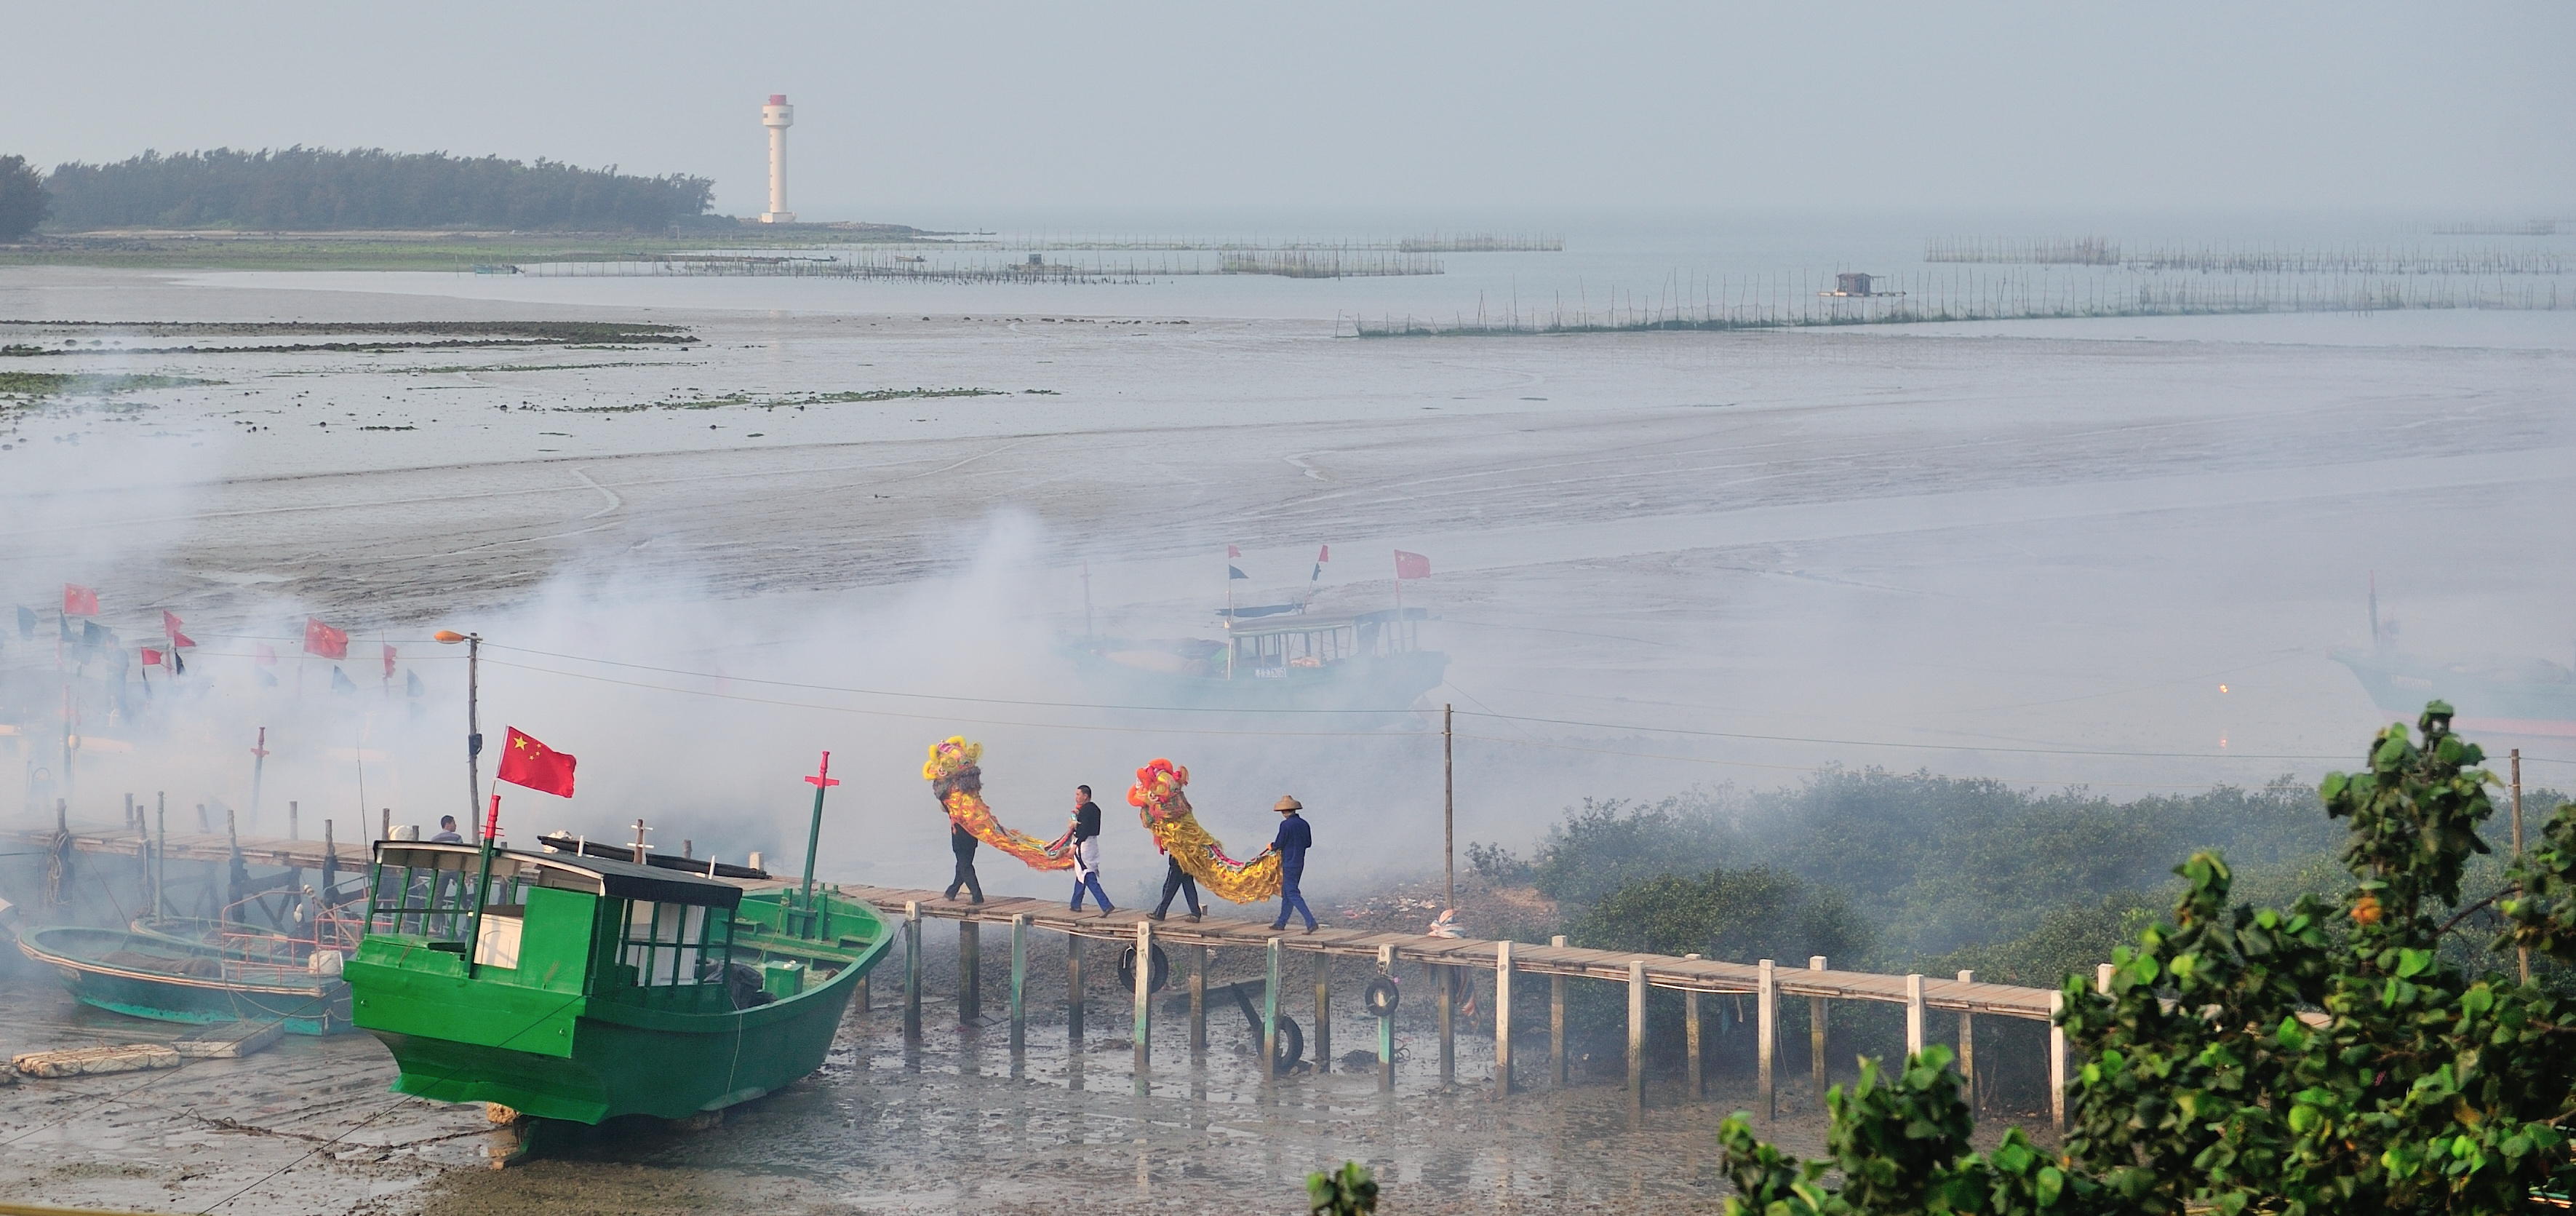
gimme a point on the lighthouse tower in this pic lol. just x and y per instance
(778, 116)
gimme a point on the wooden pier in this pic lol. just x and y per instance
(1766, 982)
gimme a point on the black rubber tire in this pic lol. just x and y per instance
(1381, 997)
(1159, 975)
(1292, 1046)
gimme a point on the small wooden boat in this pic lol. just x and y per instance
(171, 980)
(594, 987)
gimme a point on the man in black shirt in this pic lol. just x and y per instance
(1086, 850)
(962, 843)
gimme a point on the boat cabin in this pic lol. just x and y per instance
(1268, 649)
(633, 934)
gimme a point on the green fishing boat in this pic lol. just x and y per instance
(583, 988)
(169, 980)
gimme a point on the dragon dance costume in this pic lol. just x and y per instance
(959, 785)
(1165, 810)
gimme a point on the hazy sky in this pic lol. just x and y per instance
(905, 109)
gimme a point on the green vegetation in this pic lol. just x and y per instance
(57, 384)
(315, 189)
(352, 336)
(1348, 1191)
(24, 202)
(446, 252)
(2318, 1058)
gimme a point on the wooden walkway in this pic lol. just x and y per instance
(1766, 981)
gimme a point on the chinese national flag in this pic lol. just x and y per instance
(325, 641)
(1411, 565)
(79, 600)
(524, 761)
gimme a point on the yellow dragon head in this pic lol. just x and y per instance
(953, 766)
(1157, 794)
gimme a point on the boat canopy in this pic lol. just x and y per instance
(597, 875)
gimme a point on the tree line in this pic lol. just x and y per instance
(308, 189)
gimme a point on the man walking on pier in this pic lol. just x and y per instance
(1176, 881)
(1086, 850)
(962, 843)
(1291, 844)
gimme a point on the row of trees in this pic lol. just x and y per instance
(23, 201)
(315, 189)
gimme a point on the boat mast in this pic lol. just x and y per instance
(821, 780)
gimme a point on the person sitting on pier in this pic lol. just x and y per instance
(962, 843)
(1291, 844)
(1086, 850)
(447, 831)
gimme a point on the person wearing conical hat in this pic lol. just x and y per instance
(1290, 844)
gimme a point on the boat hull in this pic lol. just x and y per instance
(1393, 681)
(2486, 700)
(99, 973)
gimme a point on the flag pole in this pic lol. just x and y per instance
(1229, 616)
(482, 881)
(258, 761)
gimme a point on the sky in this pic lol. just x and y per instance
(905, 112)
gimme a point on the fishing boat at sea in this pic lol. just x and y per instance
(2526, 696)
(170, 979)
(1280, 658)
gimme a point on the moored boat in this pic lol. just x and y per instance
(171, 980)
(595, 988)
(1283, 660)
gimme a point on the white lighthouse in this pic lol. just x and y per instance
(778, 116)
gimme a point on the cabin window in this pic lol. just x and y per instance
(433, 897)
(670, 944)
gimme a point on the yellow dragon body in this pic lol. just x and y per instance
(1166, 812)
(959, 785)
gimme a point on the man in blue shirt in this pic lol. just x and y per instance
(1291, 844)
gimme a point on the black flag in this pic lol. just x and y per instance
(341, 682)
(26, 622)
(178, 663)
(412, 687)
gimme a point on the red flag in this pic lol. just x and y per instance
(389, 662)
(151, 657)
(1411, 565)
(169, 621)
(266, 654)
(1231, 551)
(323, 640)
(524, 761)
(1323, 553)
(79, 600)
(178, 640)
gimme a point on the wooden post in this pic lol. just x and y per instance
(1448, 812)
(1386, 1026)
(970, 977)
(1690, 1039)
(1019, 982)
(1816, 1033)
(160, 855)
(233, 868)
(1556, 1061)
(911, 969)
(2102, 973)
(1636, 1034)
(1270, 1013)
(1502, 1020)
(1198, 1001)
(1766, 1034)
(1323, 1044)
(129, 816)
(1446, 998)
(293, 831)
(1073, 988)
(1968, 1046)
(2056, 1062)
(1144, 1001)
(2521, 954)
(1913, 1015)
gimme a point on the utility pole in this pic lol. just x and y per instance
(1449, 808)
(473, 722)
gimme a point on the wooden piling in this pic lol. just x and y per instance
(912, 970)
(1766, 1035)
(1502, 1020)
(2056, 1062)
(1556, 1062)
(1690, 1039)
(1968, 1046)
(1816, 1034)
(160, 854)
(1323, 1044)
(1270, 1012)
(970, 974)
(1198, 1001)
(293, 830)
(1386, 1026)
(1446, 995)
(1636, 1034)
(1144, 1001)
(1019, 982)
(1073, 989)
(1913, 1015)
